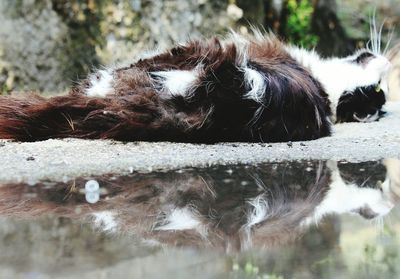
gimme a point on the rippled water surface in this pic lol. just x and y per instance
(309, 219)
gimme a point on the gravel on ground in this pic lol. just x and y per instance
(62, 160)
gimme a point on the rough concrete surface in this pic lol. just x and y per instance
(65, 159)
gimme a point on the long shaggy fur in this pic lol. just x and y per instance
(291, 105)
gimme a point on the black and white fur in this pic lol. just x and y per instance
(227, 207)
(357, 85)
(240, 88)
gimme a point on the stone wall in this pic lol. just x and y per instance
(31, 46)
(46, 45)
(130, 29)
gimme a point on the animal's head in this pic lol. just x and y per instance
(366, 86)
(357, 85)
(360, 188)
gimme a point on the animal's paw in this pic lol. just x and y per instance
(369, 117)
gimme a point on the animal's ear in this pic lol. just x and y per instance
(363, 57)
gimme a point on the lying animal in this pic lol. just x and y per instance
(242, 88)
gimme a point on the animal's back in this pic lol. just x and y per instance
(237, 89)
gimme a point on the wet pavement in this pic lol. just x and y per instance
(298, 219)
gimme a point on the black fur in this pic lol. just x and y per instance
(364, 57)
(362, 102)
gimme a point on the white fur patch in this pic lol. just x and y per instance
(101, 84)
(105, 220)
(257, 84)
(178, 82)
(180, 219)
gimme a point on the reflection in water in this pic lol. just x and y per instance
(231, 208)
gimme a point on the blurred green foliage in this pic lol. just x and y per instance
(298, 27)
(250, 271)
(83, 18)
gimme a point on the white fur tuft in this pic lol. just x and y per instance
(180, 219)
(105, 220)
(178, 82)
(242, 45)
(257, 84)
(100, 84)
(258, 212)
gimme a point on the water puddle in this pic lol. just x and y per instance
(308, 219)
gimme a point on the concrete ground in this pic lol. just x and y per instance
(62, 160)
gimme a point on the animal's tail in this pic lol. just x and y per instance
(33, 118)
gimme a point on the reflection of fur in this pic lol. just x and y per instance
(225, 207)
(264, 205)
(355, 188)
